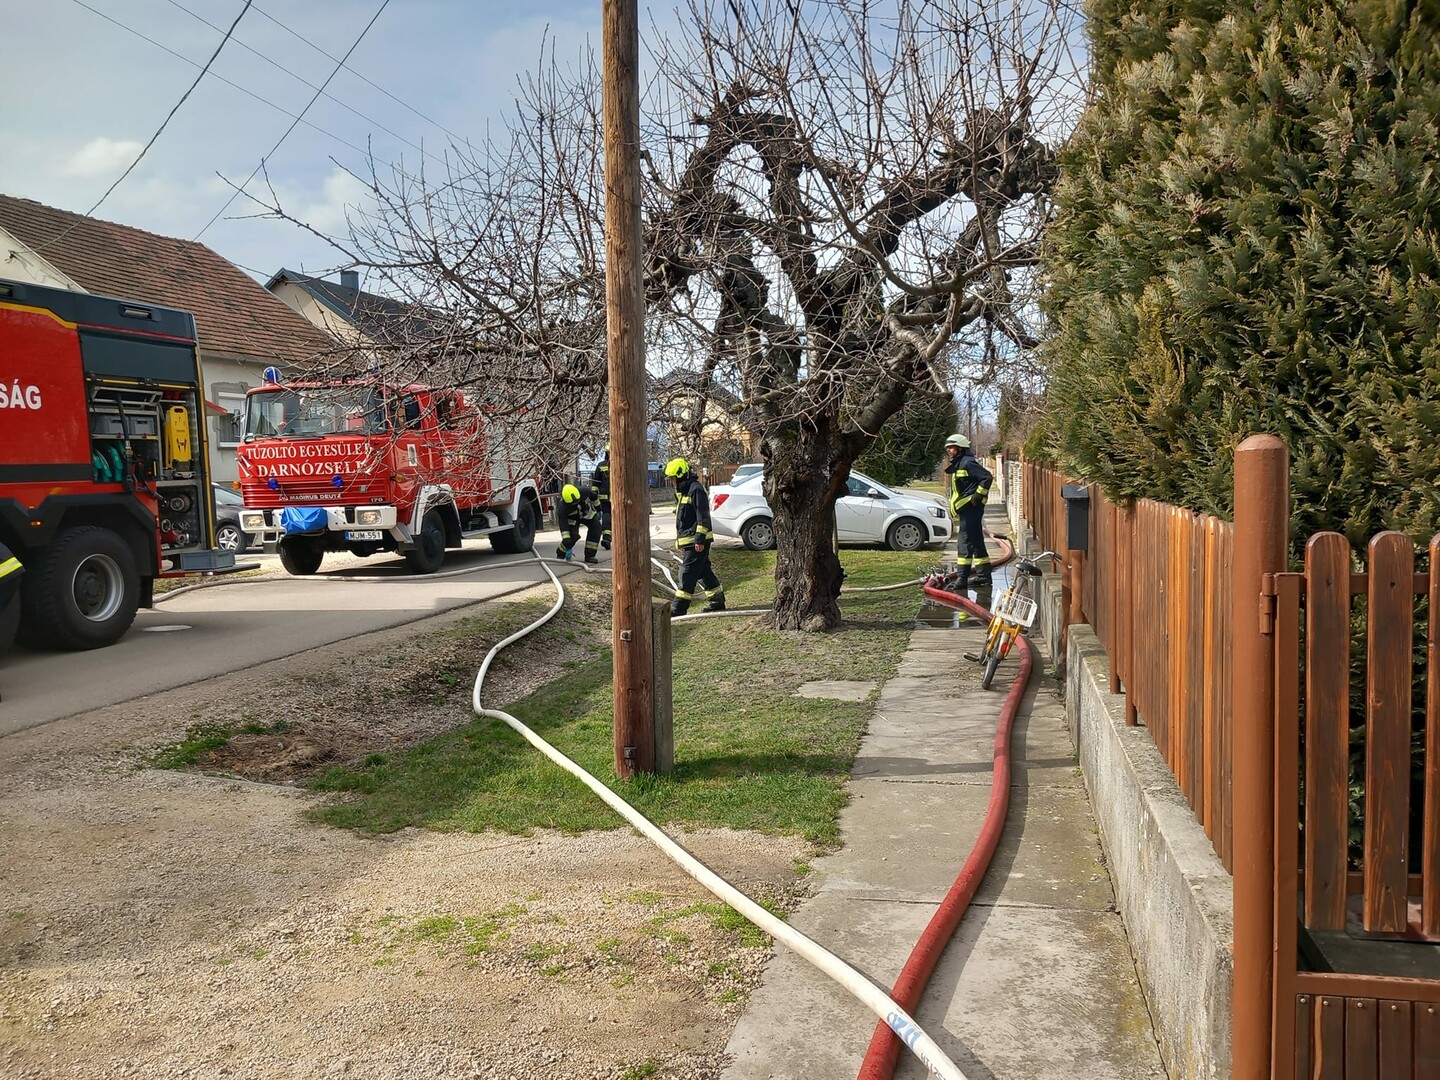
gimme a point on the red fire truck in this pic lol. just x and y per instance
(365, 466)
(104, 479)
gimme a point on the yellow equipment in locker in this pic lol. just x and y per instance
(177, 436)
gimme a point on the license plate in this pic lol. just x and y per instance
(364, 534)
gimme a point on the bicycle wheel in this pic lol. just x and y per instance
(992, 662)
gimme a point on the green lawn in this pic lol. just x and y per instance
(749, 754)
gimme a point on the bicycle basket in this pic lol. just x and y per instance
(1017, 608)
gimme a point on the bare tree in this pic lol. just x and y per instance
(844, 203)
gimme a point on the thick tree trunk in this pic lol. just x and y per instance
(803, 478)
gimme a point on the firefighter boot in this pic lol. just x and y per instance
(961, 579)
(717, 603)
(981, 577)
(679, 607)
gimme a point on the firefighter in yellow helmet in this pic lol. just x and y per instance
(579, 506)
(969, 488)
(693, 537)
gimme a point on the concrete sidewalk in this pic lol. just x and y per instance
(1038, 983)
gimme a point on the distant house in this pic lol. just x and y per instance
(343, 310)
(718, 437)
(242, 328)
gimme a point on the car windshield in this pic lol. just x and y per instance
(315, 410)
(225, 496)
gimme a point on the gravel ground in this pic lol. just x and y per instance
(166, 924)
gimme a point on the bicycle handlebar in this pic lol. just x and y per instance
(1052, 555)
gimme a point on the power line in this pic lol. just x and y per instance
(300, 37)
(316, 97)
(301, 79)
(163, 124)
(228, 82)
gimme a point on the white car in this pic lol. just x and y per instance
(870, 513)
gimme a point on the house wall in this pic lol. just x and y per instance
(19, 263)
(318, 315)
(226, 380)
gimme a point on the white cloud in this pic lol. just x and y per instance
(101, 157)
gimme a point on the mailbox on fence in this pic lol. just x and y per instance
(1077, 516)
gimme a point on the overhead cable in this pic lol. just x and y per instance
(314, 98)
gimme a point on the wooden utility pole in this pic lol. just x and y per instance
(629, 412)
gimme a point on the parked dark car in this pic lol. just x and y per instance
(228, 534)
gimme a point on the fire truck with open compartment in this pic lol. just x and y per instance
(365, 466)
(104, 476)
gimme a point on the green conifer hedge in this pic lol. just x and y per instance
(1246, 239)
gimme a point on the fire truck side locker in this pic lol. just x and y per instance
(104, 481)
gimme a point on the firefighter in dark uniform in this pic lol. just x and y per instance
(969, 488)
(579, 506)
(601, 479)
(693, 537)
(10, 571)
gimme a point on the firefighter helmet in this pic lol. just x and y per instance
(677, 467)
(958, 440)
(570, 493)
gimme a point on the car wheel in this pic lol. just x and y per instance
(907, 534)
(228, 537)
(758, 534)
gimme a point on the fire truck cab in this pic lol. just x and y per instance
(104, 481)
(366, 466)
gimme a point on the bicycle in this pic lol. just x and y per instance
(1011, 616)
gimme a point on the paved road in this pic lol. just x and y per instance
(222, 628)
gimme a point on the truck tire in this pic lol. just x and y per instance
(300, 555)
(429, 550)
(520, 538)
(9, 623)
(82, 591)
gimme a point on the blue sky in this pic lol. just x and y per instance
(83, 95)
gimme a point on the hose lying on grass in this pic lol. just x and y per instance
(894, 1017)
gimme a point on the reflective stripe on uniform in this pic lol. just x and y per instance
(684, 541)
(10, 566)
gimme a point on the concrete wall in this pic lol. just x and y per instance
(1174, 895)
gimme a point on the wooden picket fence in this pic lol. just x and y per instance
(1336, 948)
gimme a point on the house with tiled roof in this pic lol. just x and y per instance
(242, 328)
(345, 311)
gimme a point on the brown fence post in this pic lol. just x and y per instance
(1262, 513)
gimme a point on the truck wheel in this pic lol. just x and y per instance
(300, 556)
(9, 623)
(520, 538)
(429, 550)
(82, 592)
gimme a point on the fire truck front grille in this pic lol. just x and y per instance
(302, 489)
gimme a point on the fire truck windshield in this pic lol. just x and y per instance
(314, 410)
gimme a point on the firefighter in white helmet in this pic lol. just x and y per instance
(969, 488)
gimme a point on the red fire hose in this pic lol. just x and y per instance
(884, 1051)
